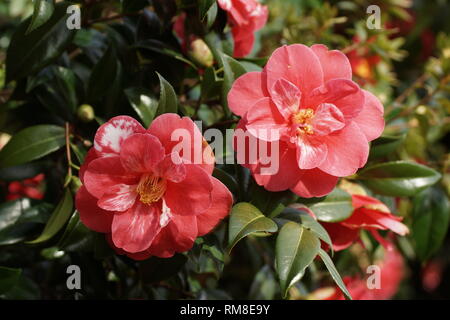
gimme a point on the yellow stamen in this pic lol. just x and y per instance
(304, 117)
(151, 188)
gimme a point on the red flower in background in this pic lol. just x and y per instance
(150, 199)
(363, 63)
(246, 17)
(369, 214)
(323, 119)
(392, 271)
(28, 188)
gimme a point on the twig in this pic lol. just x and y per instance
(111, 18)
(68, 153)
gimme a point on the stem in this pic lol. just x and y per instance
(68, 152)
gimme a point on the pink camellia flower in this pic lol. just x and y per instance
(322, 118)
(369, 214)
(150, 198)
(392, 270)
(246, 17)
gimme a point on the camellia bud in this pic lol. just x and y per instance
(86, 113)
(200, 53)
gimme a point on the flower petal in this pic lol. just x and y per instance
(191, 196)
(178, 236)
(286, 97)
(370, 120)
(173, 131)
(341, 236)
(310, 153)
(171, 168)
(221, 202)
(287, 175)
(135, 229)
(344, 94)
(334, 63)
(91, 215)
(109, 137)
(141, 153)
(348, 150)
(90, 156)
(296, 63)
(264, 121)
(246, 91)
(314, 183)
(104, 173)
(120, 197)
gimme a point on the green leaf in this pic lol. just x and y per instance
(431, 215)
(204, 6)
(29, 53)
(227, 179)
(58, 219)
(211, 15)
(232, 70)
(334, 273)
(8, 278)
(246, 219)
(103, 75)
(335, 207)
(168, 101)
(302, 217)
(385, 145)
(210, 86)
(398, 178)
(43, 10)
(296, 248)
(32, 143)
(142, 102)
(66, 81)
(76, 237)
(19, 217)
(264, 286)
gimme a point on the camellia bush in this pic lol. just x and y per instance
(229, 149)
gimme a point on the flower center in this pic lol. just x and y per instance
(151, 188)
(303, 119)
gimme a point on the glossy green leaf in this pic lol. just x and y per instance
(398, 178)
(302, 217)
(168, 100)
(29, 53)
(264, 286)
(142, 102)
(58, 219)
(335, 207)
(431, 216)
(103, 75)
(19, 217)
(296, 248)
(334, 273)
(228, 180)
(43, 10)
(204, 6)
(76, 236)
(246, 219)
(232, 70)
(32, 143)
(8, 278)
(385, 145)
